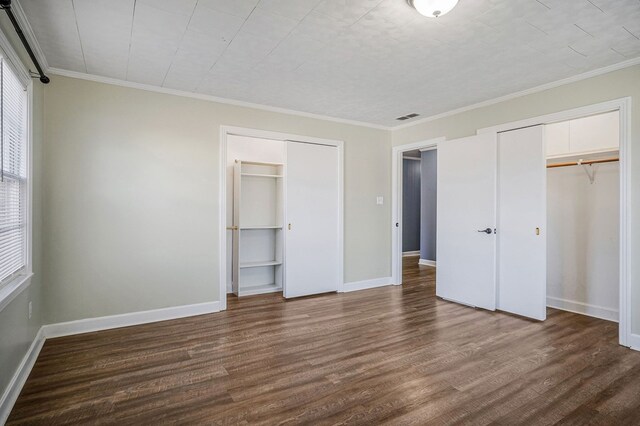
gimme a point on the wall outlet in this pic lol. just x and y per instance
(379, 201)
(30, 309)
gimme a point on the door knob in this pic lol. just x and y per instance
(486, 231)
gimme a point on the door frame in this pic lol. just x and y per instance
(623, 106)
(225, 131)
(396, 201)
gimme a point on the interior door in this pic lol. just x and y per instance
(522, 213)
(312, 207)
(466, 211)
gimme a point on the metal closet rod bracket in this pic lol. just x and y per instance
(591, 173)
(6, 6)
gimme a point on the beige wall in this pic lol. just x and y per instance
(17, 331)
(131, 195)
(606, 87)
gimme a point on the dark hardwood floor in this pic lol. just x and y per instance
(390, 355)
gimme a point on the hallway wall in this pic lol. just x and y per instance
(411, 205)
(429, 195)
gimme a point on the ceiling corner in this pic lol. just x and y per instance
(21, 17)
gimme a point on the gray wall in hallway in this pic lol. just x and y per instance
(428, 190)
(411, 205)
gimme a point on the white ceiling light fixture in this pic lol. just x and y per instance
(433, 8)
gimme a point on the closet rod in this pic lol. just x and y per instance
(586, 162)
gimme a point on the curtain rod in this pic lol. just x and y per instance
(6, 6)
(581, 162)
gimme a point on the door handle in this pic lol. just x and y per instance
(488, 231)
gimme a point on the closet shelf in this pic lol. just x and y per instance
(259, 163)
(244, 265)
(260, 175)
(249, 228)
(259, 289)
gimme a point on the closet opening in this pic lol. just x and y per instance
(583, 215)
(584, 263)
(281, 209)
(255, 215)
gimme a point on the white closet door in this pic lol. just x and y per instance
(522, 212)
(313, 200)
(466, 205)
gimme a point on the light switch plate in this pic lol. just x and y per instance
(379, 201)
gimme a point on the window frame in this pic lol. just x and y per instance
(16, 283)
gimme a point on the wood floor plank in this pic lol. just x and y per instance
(393, 355)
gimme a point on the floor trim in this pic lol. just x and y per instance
(11, 393)
(88, 325)
(583, 308)
(426, 262)
(411, 253)
(125, 320)
(365, 284)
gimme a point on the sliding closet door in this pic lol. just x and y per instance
(466, 209)
(522, 212)
(312, 234)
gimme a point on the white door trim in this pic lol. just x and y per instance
(222, 196)
(623, 105)
(396, 202)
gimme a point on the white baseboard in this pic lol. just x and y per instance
(634, 342)
(11, 393)
(86, 326)
(583, 308)
(124, 320)
(410, 253)
(425, 262)
(363, 285)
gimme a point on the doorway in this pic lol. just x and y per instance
(419, 203)
(418, 224)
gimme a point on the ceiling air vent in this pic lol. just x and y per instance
(408, 116)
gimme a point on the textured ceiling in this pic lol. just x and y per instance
(365, 60)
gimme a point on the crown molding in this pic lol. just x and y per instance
(542, 88)
(33, 41)
(21, 17)
(210, 98)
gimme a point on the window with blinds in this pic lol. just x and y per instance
(13, 174)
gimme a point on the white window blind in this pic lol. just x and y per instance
(13, 174)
